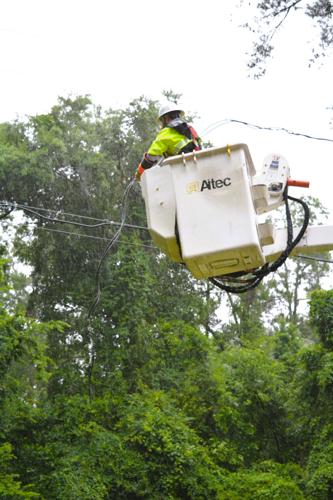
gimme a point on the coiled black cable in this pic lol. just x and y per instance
(253, 279)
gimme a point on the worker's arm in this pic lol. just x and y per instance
(147, 162)
(154, 154)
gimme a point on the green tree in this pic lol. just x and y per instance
(24, 372)
(251, 415)
(310, 406)
(150, 396)
(83, 158)
(10, 487)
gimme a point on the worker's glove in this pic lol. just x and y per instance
(139, 172)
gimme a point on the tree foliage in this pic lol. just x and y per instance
(156, 395)
(273, 14)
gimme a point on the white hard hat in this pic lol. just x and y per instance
(168, 107)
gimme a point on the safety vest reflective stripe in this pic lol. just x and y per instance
(181, 144)
(169, 142)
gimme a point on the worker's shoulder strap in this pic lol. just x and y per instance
(181, 127)
(195, 138)
(187, 130)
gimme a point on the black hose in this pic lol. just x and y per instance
(253, 279)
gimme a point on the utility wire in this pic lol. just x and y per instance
(308, 257)
(81, 235)
(220, 123)
(59, 212)
(35, 211)
(92, 237)
(108, 247)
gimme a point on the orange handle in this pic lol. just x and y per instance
(301, 184)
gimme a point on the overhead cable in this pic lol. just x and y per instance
(110, 244)
(80, 235)
(220, 123)
(318, 259)
(35, 211)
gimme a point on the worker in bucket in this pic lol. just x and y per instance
(175, 137)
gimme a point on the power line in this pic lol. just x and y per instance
(60, 212)
(102, 222)
(151, 246)
(220, 123)
(93, 237)
(313, 258)
(80, 235)
(105, 221)
(110, 244)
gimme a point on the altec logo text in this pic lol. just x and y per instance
(215, 184)
(208, 184)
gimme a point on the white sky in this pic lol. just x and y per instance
(116, 51)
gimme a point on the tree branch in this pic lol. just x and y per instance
(286, 9)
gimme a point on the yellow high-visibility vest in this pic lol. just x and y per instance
(168, 142)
